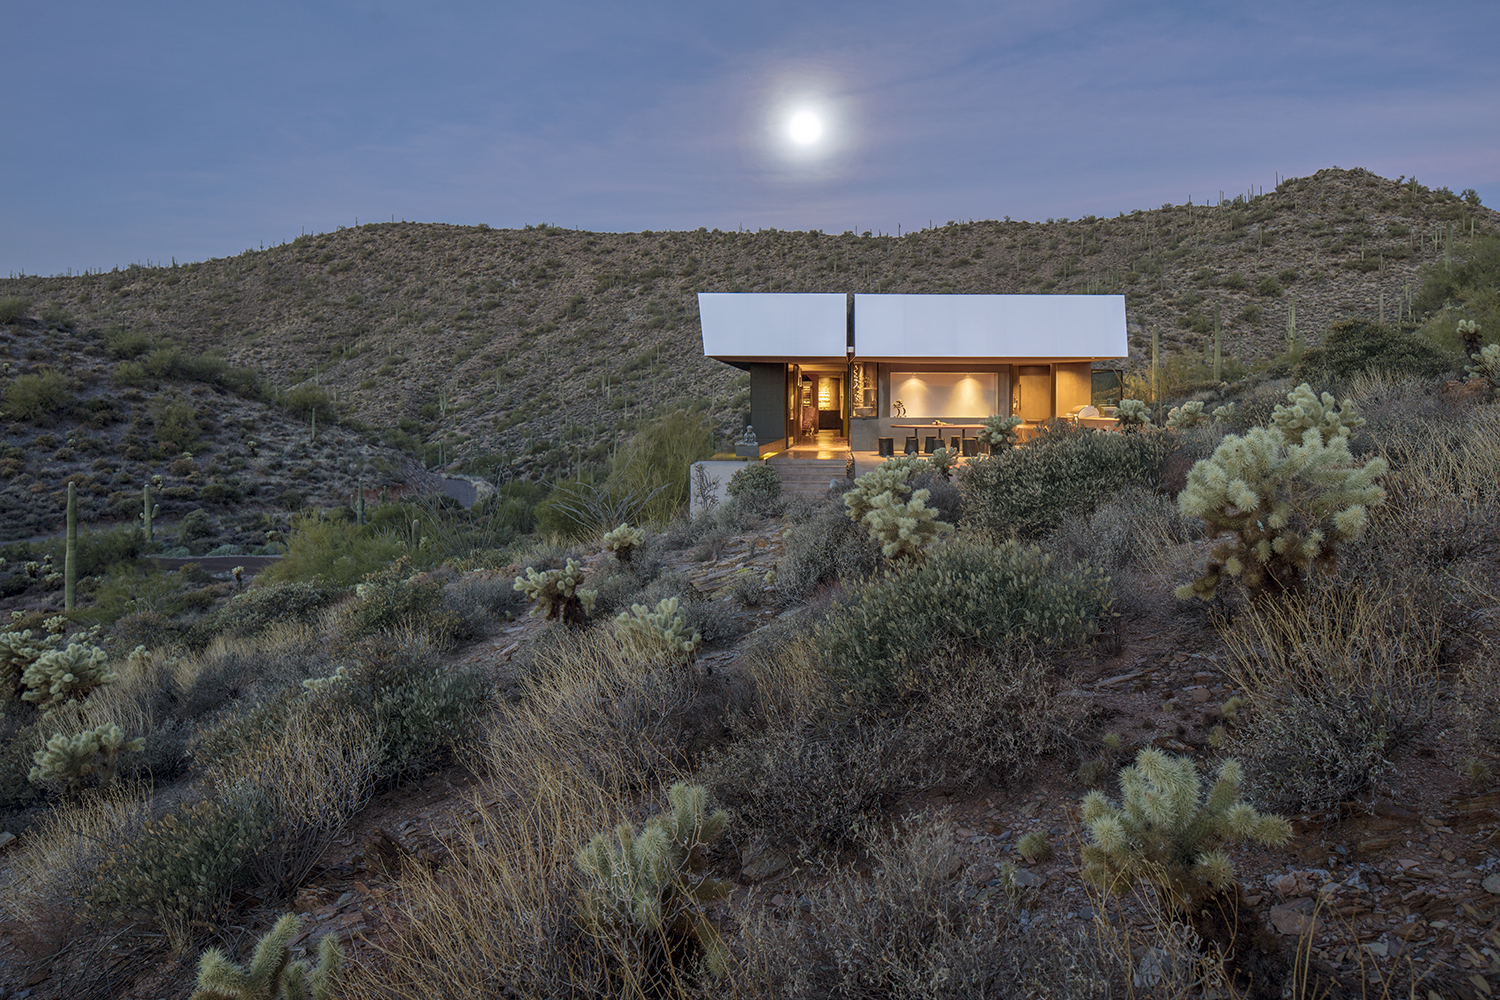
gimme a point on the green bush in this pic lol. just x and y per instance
(37, 397)
(826, 548)
(967, 596)
(307, 399)
(13, 308)
(389, 599)
(181, 868)
(326, 551)
(1352, 346)
(1030, 490)
(756, 488)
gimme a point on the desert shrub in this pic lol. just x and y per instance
(1354, 345)
(13, 308)
(585, 707)
(943, 496)
(176, 424)
(391, 598)
(261, 607)
(908, 928)
(968, 595)
(331, 552)
(481, 598)
(826, 548)
(992, 716)
(37, 397)
(308, 400)
(418, 710)
(181, 868)
(314, 770)
(1029, 491)
(1336, 681)
(1131, 527)
(755, 488)
(816, 784)
(229, 670)
(18, 743)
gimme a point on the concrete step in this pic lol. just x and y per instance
(808, 476)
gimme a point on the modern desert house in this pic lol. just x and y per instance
(846, 371)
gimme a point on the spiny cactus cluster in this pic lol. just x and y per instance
(270, 973)
(1288, 494)
(1189, 414)
(1169, 832)
(641, 890)
(556, 593)
(620, 542)
(944, 460)
(888, 477)
(904, 529)
(999, 432)
(1132, 414)
(59, 675)
(73, 759)
(644, 634)
(1487, 366)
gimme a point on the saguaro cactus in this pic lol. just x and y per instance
(70, 553)
(148, 511)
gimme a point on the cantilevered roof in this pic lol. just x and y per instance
(1079, 327)
(779, 326)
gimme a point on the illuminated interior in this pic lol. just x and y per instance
(938, 395)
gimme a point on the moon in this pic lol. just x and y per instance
(805, 127)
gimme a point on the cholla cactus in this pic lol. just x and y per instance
(1169, 833)
(72, 759)
(1289, 494)
(904, 529)
(60, 674)
(943, 460)
(1223, 413)
(641, 892)
(888, 478)
(999, 432)
(270, 972)
(621, 541)
(1487, 366)
(556, 593)
(1305, 411)
(1468, 334)
(18, 651)
(1132, 414)
(1189, 414)
(643, 633)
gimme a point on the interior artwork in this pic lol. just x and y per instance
(947, 394)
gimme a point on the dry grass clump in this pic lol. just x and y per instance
(909, 928)
(1337, 681)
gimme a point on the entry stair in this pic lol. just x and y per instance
(808, 477)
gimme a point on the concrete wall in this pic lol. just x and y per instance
(718, 475)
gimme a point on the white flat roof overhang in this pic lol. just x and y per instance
(1018, 328)
(775, 326)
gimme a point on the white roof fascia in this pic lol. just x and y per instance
(1085, 327)
(774, 326)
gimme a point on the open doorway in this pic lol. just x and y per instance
(819, 405)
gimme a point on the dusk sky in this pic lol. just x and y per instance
(143, 132)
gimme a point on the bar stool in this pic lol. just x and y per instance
(971, 447)
(931, 444)
(953, 443)
(911, 444)
(886, 446)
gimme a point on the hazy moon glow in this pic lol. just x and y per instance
(805, 127)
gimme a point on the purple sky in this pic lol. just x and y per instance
(195, 130)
